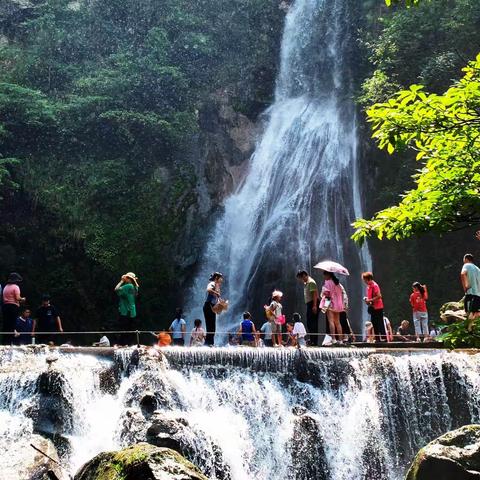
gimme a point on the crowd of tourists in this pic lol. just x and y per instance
(19, 323)
(273, 330)
(331, 300)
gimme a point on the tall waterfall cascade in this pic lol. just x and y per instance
(241, 413)
(302, 190)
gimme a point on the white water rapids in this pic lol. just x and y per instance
(302, 190)
(246, 413)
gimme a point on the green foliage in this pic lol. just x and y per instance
(408, 3)
(459, 335)
(98, 117)
(429, 44)
(444, 130)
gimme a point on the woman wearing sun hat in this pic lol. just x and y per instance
(127, 291)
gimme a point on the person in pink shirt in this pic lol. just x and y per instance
(375, 306)
(11, 305)
(332, 304)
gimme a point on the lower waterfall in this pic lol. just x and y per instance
(241, 413)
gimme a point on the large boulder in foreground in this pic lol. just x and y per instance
(453, 456)
(140, 462)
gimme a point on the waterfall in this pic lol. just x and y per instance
(302, 190)
(242, 413)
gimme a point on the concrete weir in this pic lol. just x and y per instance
(239, 409)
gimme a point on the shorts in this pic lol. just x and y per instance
(276, 328)
(248, 343)
(179, 341)
(472, 303)
(268, 342)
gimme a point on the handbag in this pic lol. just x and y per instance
(220, 306)
(280, 320)
(370, 310)
(269, 314)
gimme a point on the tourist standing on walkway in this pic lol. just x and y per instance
(178, 328)
(348, 335)
(197, 337)
(213, 295)
(47, 320)
(332, 304)
(23, 328)
(266, 334)
(312, 302)
(275, 308)
(12, 299)
(418, 301)
(375, 306)
(127, 291)
(470, 277)
(247, 331)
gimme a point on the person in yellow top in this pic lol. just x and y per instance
(127, 291)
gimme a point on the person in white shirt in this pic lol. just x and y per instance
(178, 328)
(299, 330)
(198, 335)
(103, 342)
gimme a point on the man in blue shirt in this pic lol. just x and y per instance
(470, 277)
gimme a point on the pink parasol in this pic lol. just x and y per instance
(333, 267)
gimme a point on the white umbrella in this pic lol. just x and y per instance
(332, 267)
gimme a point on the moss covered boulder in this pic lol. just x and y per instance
(140, 462)
(453, 456)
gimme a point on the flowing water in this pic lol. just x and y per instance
(302, 191)
(242, 413)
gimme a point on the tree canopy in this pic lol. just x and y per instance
(444, 130)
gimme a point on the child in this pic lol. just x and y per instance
(163, 339)
(291, 337)
(299, 330)
(266, 334)
(178, 328)
(23, 328)
(198, 335)
(403, 334)
(247, 331)
(275, 308)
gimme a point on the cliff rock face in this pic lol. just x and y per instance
(218, 157)
(226, 142)
(455, 455)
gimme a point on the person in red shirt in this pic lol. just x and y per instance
(418, 301)
(11, 305)
(375, 306)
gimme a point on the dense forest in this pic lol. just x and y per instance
(119, 123)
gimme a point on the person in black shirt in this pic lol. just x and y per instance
(23, 328)
(47, 320)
